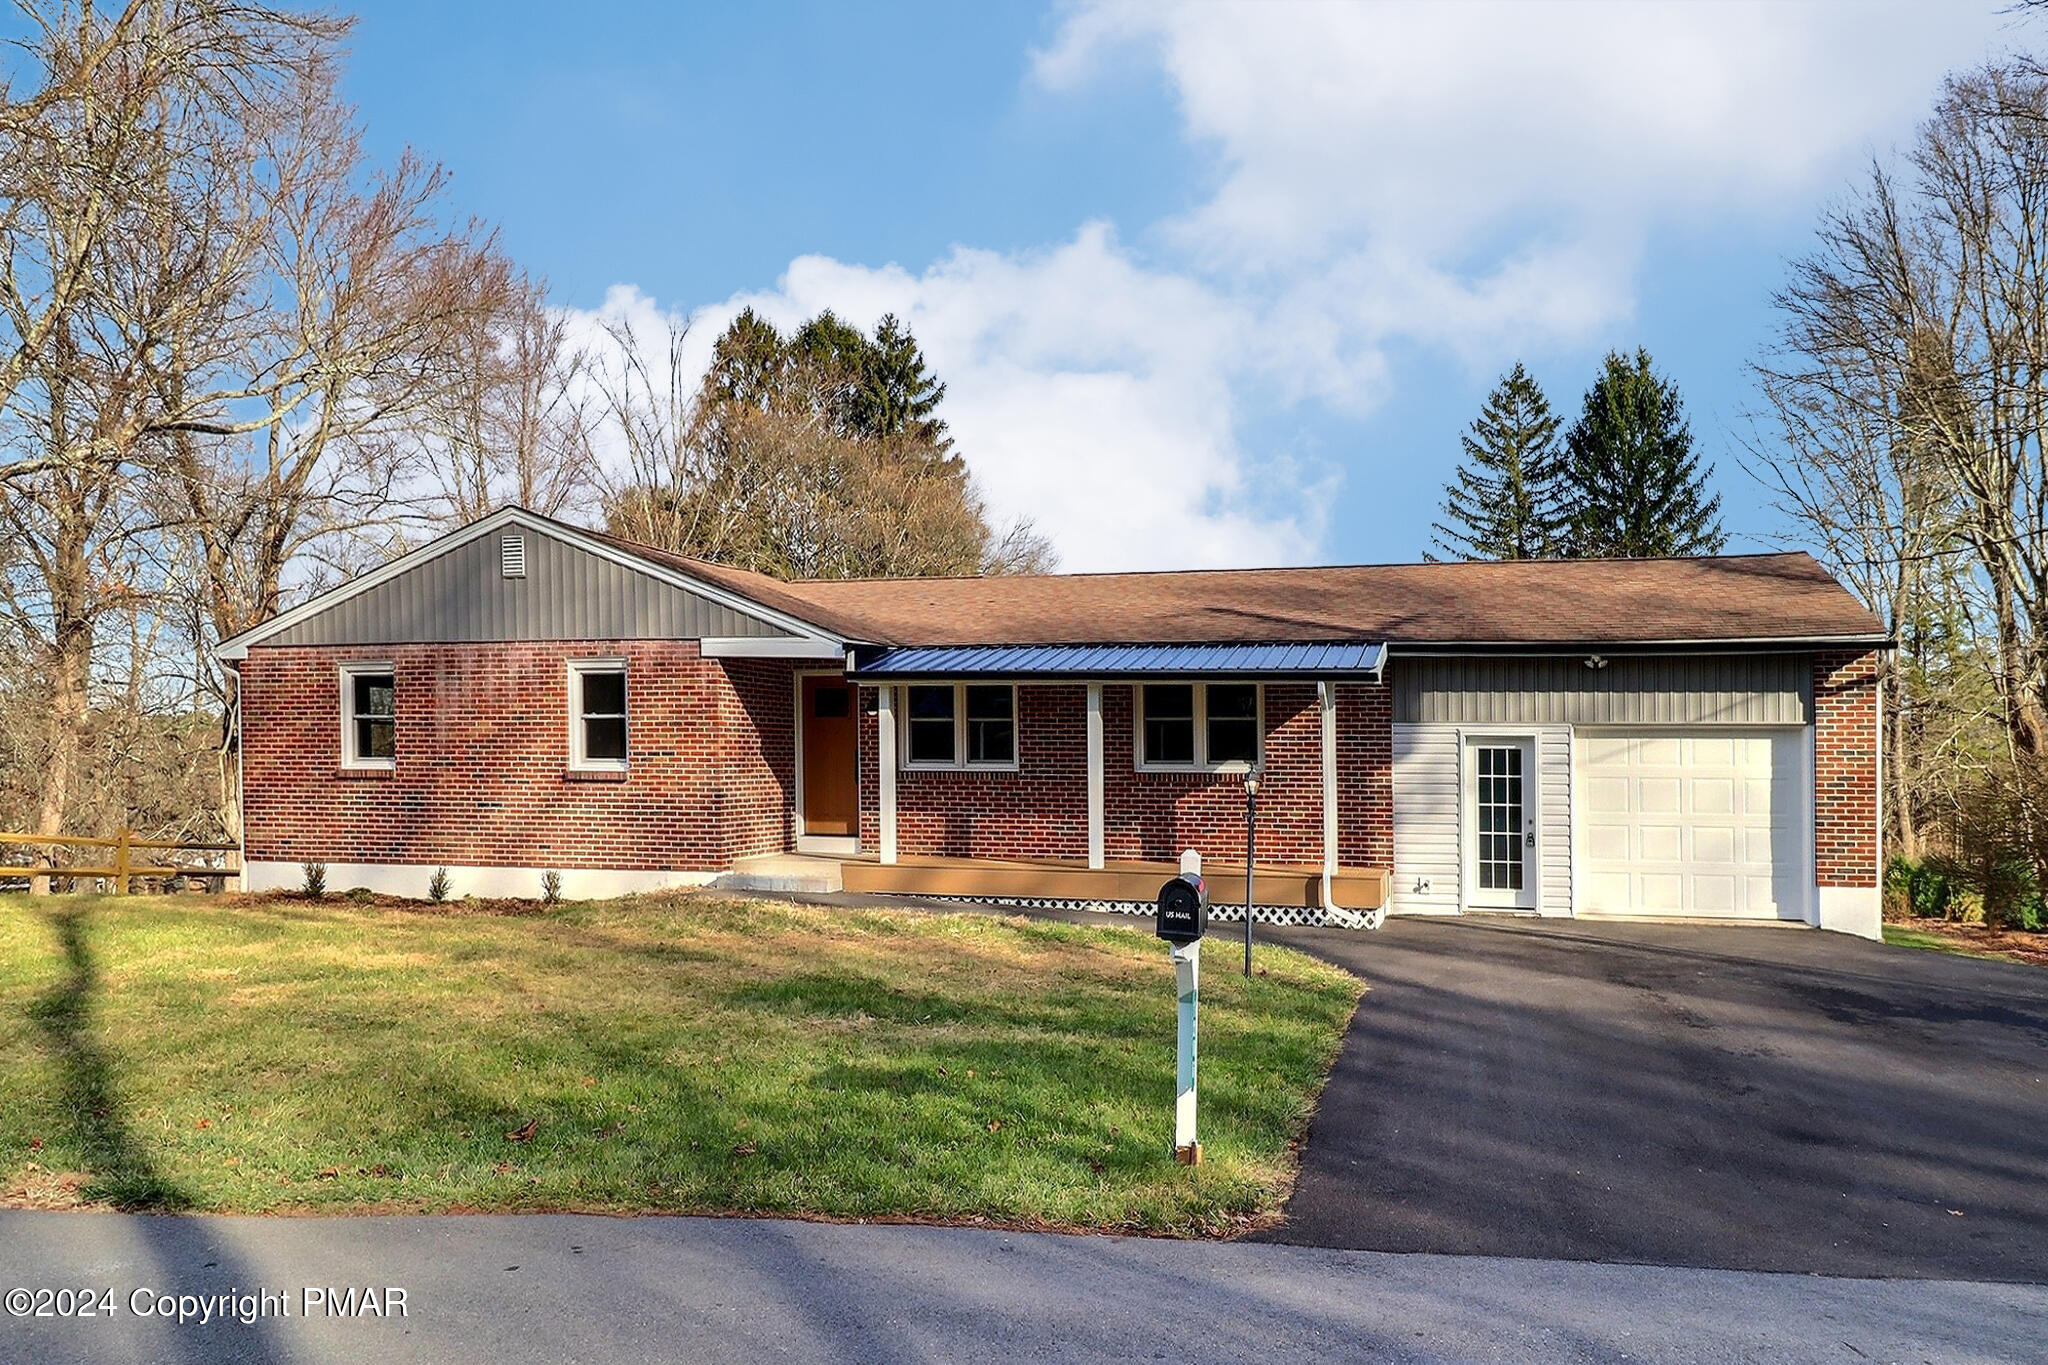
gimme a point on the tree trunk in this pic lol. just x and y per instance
(1901, 785)
(64, 731)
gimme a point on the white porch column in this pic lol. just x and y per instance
(1326, 693)
(1095, 803)
(885, 771)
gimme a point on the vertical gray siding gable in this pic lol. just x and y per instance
(568, 593)
(1676, 689)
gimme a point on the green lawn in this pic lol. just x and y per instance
(680, 1053)
(1905, 936)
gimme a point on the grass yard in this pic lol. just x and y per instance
(679, 1054)
(1969, 940)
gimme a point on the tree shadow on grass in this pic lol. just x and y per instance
(175, 1255)
(122, 1173)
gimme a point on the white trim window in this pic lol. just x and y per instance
(369, 716)
(960, 726)
(1199, 727)
(597, 715)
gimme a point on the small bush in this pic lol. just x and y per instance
(551, 887)
(361, 895)
(316, 880)
(437, 886)
(1917, 886)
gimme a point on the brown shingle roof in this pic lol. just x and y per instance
(1767, 597)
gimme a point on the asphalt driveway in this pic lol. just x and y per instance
(1732, 1097)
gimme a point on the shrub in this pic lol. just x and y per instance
(1917, 886)
(551, 887)
(361, 895)
(437, 886)
(316, 880)
(1995, 863)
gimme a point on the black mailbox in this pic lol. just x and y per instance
(1183, 910)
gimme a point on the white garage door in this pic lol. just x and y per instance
(1707, 823)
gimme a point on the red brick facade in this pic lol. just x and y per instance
(1038, 811)
(1041, 810)
(482, 775)
(1845, 777)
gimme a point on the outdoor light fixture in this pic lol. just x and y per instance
(1597, 661)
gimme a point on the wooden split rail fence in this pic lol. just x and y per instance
(126, 847)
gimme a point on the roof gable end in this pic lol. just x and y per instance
(562, 583)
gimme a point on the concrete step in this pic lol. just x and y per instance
(793, 872)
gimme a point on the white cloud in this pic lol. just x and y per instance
(1481, 180)
(1089, 394)
(1428, 126)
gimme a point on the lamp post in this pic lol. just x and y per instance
(1251, 861)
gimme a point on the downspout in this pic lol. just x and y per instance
(1326, 695)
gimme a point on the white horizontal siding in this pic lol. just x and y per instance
(1554, 817)
(1427, 818)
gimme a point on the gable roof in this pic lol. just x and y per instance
(445, 594)
(1732, 598)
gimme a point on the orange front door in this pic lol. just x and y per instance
(831, 781)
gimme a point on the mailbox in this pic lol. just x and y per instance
(1183, 910)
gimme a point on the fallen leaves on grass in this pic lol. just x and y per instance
(524, 1132)
(1977, 938)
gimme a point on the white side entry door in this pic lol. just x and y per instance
(1499, 823)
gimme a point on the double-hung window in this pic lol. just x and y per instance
(960, 725)
(597, 715)
(369, 716)
(1211, 727)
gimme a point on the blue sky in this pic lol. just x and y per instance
(1211, 284)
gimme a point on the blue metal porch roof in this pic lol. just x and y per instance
(1119, 661)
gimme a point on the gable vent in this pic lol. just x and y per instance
(512, 555)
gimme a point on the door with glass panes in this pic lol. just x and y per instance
(1500, 823)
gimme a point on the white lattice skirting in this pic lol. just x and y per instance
(1312, 916)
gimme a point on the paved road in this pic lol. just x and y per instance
(508, 1289)
(1752, 1098)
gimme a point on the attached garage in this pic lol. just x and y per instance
(1707, 822)
(1676, 785)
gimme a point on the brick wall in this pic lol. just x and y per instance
(1158, 815)
(1038, 811)
(482, 773)
(1365, 774)
(1845, 778)
(1042, 809)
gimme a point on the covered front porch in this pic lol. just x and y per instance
(1082, 773)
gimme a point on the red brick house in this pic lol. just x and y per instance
(1689, 737)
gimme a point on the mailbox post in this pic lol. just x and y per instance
(1183, 917)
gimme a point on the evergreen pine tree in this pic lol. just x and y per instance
(1504, 504)
(1635, 486)
(749, 363)
(899, 394)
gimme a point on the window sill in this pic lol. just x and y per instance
(367, 770)
(1196, 770)
(960, 768)
(596, 774)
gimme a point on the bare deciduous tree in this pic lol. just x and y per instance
(518, 424)
(1908, 399)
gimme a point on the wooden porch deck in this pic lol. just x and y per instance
(1281, 884)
